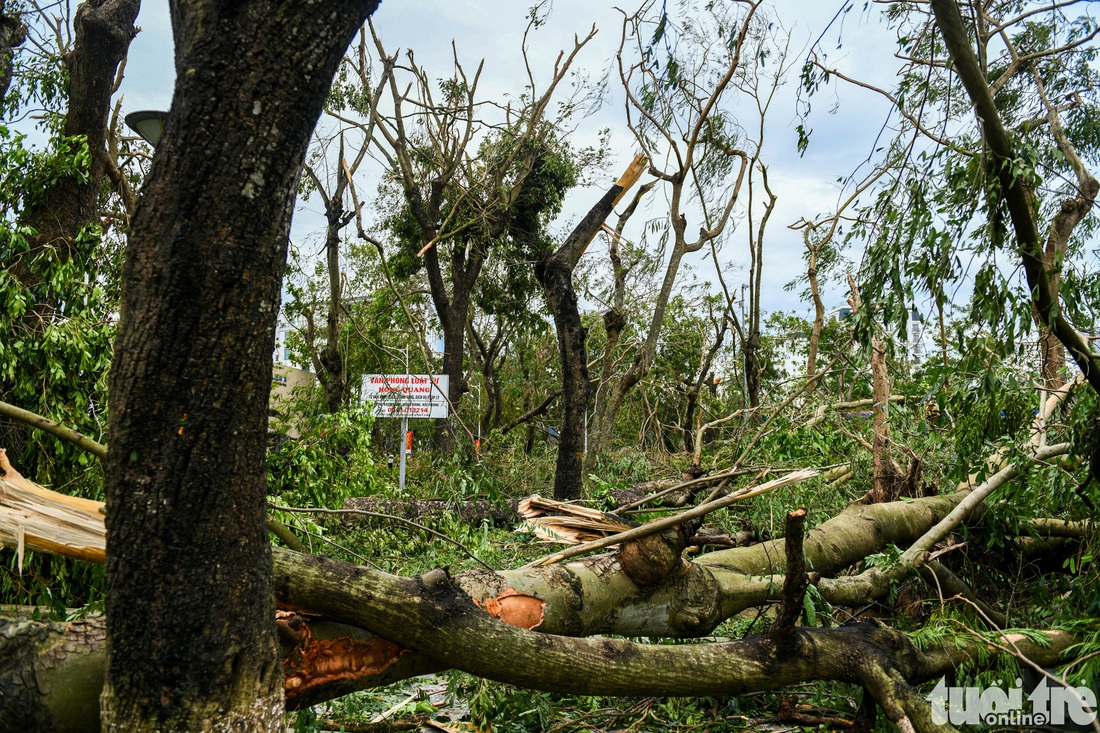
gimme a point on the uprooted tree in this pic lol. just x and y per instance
(191, 634)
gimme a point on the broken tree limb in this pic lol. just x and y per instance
(592, 596)
(949, 585)
(99, 450)
(1048, 405)
(663, 487)
(669, 522)
(501, 514)
(379, 515)
(775, 413)
(430, 615)
(532, 413)
(1057, 528)
(595, 596)
(35, 518)
(796, 583)
(55, 429)
(442, 628)
(823, 410)
(859, 589)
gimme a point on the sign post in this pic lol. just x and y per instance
(417, 396)
(404, 452)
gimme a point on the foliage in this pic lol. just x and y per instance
(936, 220)
(327, 462)
(56, 311)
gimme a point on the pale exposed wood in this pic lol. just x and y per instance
(35, 518)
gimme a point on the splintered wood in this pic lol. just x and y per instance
(35, 518)
(571, 524)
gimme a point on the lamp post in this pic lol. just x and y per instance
(149, 124)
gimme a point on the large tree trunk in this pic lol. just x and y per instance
(51, 675)
(860, 653)
(190, 638)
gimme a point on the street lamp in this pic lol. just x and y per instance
(147, 123)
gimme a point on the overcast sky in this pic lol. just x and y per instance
(493, 31)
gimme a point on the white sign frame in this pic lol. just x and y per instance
(413, 396)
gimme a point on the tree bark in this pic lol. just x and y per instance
(51, 675)
(191, 643)
(12, 34)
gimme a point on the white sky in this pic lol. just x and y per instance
(493, 30)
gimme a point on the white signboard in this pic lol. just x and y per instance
(407, 395)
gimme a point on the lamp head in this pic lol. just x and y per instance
(149, 124)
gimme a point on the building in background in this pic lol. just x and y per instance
(911, 345)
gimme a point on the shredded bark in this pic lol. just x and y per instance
(515, 608)
(314, 663)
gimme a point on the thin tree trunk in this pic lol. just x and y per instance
(454, 356)
(819, 311)
(691, 402)
(333, 376)
(886, 474)
(555, 273)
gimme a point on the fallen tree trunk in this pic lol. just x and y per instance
(501, 514)
(49, 671)
(431, 621)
